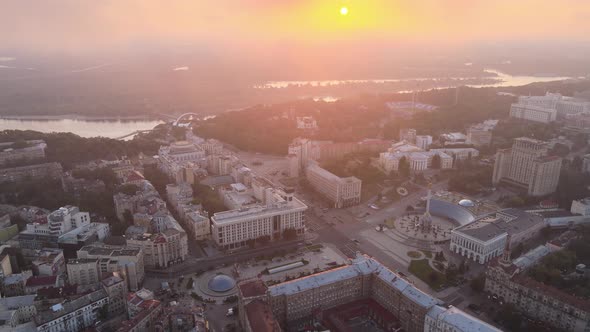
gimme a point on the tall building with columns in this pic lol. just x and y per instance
(528, 165)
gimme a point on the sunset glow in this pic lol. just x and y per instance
(112, 23)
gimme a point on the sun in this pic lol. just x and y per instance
(343, 11)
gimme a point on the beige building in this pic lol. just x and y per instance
(342, 192)
(527, 165)
(162, 249)
(95, 261)
(299, 302)
(508, 280)
(282, 211)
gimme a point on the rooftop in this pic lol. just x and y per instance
(16, 302)
(260, 317)
(491, 226)
(362, 265)
(460, 320)
(65, 308)
(257, 211)
(110, 250)
(252, 288)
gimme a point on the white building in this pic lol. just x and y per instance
(306, 122)
(61, 221)
(485, 238)
(418, 159)
(232, 229)
(581, 207)
(423, 141)
(342, 192)
(533, 113)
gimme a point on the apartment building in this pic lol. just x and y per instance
(72, 316)
(162, 249)
(33, 172)
(527, 165)
(508, 280)
(95, 261)
(341, 192)
(232, 229)
(303, 301)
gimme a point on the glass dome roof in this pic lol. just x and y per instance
(221, 283)
(466, 202)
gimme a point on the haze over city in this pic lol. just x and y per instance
(295, 165)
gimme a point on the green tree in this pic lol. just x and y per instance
(478, 283)
(404, 167)
(436, 162)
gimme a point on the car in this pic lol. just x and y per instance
(374, 207)
(355, 241)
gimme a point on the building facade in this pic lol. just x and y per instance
(341, 192)
(485, 238)
(162, 249)
(233, 229)
(533, 113)
(527, 165)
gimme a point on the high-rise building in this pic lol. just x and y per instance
(342, 192)
(527, 165)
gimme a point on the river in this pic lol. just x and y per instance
(84, 128)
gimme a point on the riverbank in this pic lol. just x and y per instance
(79, 117)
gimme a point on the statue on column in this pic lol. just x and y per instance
(426, 219)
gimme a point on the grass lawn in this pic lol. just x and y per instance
(421, 269)
(428, 254)
(414, 254)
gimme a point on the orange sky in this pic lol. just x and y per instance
(88, 25)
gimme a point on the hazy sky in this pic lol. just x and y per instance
(81, 26)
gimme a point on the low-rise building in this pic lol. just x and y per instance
(74, 315)
(33, 172)
(341, 192)
(533, 113)
(485, 237)
(21, 309)
(48, 262)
